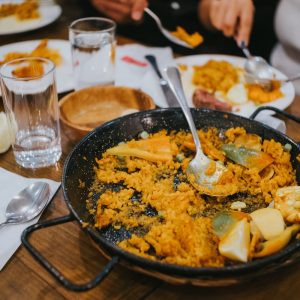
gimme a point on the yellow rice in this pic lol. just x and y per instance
(180, 232)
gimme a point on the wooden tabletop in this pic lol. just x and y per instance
(71, 251)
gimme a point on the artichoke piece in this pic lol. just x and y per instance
(225, 220)
(246, 157)
(276, 244)
(269, 221)
(235, 245)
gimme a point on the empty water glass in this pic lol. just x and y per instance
(93, 51)
(30, 100)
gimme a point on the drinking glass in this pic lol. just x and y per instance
(93, 51)
(30, 100)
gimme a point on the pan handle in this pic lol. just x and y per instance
(51, 269)
(278, 111)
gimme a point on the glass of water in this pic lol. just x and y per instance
(30, 100)
(93, 51)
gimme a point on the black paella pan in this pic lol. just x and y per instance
(79, 167)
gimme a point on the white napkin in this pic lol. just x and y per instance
(10, 235)
(272, 122)
(133, 70)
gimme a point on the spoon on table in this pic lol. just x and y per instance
(197, 169)
(165, 31)
(27, 204)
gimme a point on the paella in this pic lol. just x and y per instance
(141, 187)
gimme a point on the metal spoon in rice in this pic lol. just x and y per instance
(197, 171)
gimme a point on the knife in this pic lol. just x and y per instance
(169, 95)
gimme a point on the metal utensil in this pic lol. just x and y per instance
(260, 72)
(166, 32)
(257, 70)
(293, 78)
(197, 168)
(169, 95)
(27, 204)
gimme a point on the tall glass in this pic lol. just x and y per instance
(30, 100)
(93, 51)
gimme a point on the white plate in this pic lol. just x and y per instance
(244, 109)
(49, 14)
(64, 72)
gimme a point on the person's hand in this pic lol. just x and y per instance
(232, 17)
(121, 10)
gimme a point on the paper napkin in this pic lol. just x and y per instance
(133, 70)
(10, 235)
(272, 122)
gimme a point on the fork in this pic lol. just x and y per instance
(166, 32)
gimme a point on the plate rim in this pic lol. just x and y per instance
(38, 26)
(61, 41)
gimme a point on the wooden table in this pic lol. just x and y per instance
(71, 251)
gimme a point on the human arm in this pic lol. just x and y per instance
(121, 10)
(232, 17)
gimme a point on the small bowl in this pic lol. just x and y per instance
(83, 110)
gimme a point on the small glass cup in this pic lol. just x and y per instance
(30, 101)
(93, 51)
